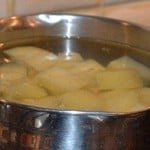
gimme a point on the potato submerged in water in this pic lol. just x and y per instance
(10, 74)
(120, 100)
(37, 58)
(47, 102)
(144, 94)
(67, 81)
(81, 100)
(126, 62)
(119, 79)
(25, 89)
(58, 81)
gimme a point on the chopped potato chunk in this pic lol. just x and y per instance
(10, 74)
(120, 100)
(24, 90)
(72, 57)
(118, 79)
(87, 71)
(47, 102)
(125, 62)
(58, 81)
(81, 100)
(23, 52)
(37, 58)
(88, 66)
(145, 96)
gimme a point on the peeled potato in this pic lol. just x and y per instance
(68, 61)
(87, 66)
(37, 58)
(46, 102)
(58, 81)
(120, 100)
(24, 52)
(81, 100)
(138, 107)
(87, 71)
(118, 79)
(41, 62)
(145, 96)
(24, 90)
(10, 74)
(65, 64)
(127, 62)
(70, 57)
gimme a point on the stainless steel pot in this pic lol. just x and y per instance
(31, 128)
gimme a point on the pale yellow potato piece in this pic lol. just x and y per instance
(118, 79)
(66, 64)
(51, 102)
(70, 57)
(39, 59)
(68, 61)
(24, 52)
(58, 81)
(88, 65)
(92, 89)
(10, 74)
(81, 100)
(125, 62)
(139, 107)
(144, 94)
(24, 90)
(120, 100)
(41, 62)
(87, 71)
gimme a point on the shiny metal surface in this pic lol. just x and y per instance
(31, 128)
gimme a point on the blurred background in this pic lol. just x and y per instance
(137, 11)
